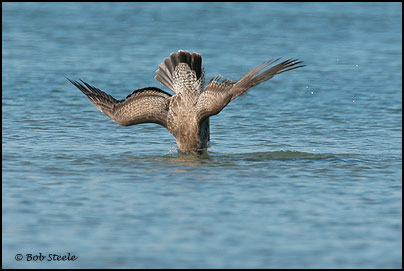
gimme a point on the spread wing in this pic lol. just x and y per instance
(148, 104)
(218, 94)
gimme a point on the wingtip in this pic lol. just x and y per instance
(72, 81)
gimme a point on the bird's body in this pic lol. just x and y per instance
(186, 113)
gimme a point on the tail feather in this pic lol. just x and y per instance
(196, 64)
(164, 74)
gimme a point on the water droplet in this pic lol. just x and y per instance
(353, 101)
(314, 149)
(312, 92)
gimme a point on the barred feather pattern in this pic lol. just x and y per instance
(182, 71)
(185, 114)
(186, 82)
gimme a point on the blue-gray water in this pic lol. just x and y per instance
(303, 172)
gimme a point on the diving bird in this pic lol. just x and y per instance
(186, 113)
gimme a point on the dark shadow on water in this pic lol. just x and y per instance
(219, 160)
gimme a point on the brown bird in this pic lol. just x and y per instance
(186, 113)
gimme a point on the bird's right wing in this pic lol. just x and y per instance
(218, 94)
(148, 104)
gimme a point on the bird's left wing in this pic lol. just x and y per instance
(144, 105)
